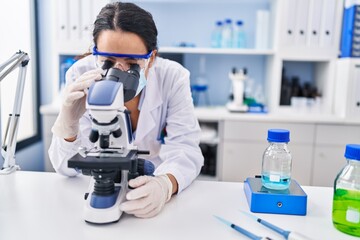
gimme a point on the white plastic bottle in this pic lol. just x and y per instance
(227, 34)
(216, 35)
(276, 162)
(239, 37)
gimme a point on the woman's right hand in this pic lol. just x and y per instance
(73, 107)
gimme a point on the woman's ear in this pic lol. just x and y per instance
(152, 58)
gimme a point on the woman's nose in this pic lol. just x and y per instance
(120, 66)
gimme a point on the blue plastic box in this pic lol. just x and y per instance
(263, 200)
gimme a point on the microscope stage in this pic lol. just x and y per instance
(97, 162)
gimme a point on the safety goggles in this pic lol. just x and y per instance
(121, 61)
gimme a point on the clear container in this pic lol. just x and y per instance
(276, 162)
(227, 34)
(239, 37)
(216, 35)
(346, 201)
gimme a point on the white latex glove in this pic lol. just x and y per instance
(149, 196)
(73, 107)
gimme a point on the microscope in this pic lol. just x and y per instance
(113, 160)
(237, 79)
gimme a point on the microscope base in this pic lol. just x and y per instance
(104, 215)
(232, 107)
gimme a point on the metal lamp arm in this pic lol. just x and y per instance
(8, 147)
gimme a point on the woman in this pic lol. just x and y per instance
(163, 101)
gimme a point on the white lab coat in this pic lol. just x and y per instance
(165, 102)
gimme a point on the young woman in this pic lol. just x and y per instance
(163, 101)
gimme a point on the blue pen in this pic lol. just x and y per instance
(289, 235)
(241, 230)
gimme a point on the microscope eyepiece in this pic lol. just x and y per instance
(107, 64)
(134, 67)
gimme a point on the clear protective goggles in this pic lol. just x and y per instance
(121, 61)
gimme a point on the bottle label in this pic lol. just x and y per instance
(274, 178)
(352, 215)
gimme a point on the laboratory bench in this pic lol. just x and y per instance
(43, 205)
(236, 142)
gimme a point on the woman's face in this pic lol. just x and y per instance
(121, 42)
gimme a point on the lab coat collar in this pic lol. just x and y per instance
(152, 99)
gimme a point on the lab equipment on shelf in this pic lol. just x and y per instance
(276, 161)
(200, 94)
(200, 88)
(239, 36)
(346, 201)
(237, 77)
(227, 34)
(299, 92)
(262, 29)
(216, 35)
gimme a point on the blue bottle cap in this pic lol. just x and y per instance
(278, 135)
(239, 23)
(352, 151)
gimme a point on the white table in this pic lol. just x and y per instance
(36, 205)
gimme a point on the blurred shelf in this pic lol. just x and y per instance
(283, 114)
(225, 51)
(308, 54)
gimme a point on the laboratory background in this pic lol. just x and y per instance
(296, 78)
(254, 65)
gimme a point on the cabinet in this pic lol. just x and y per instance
(330, 142)
(347, 89)
(308, 33)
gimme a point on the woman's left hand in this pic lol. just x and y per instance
(149, 196)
